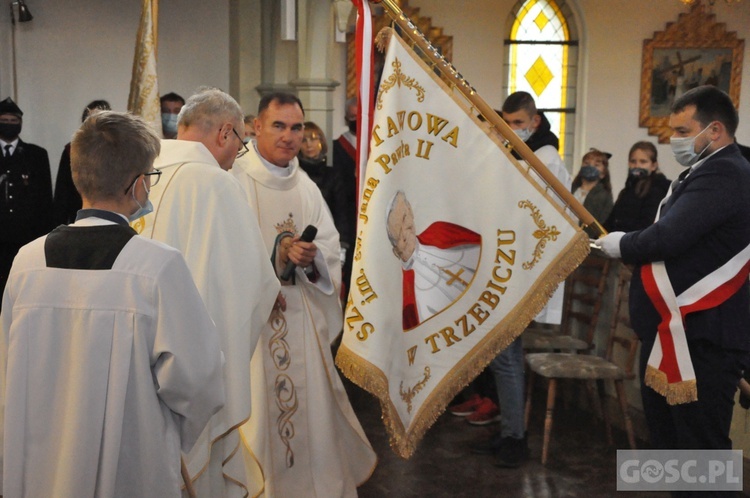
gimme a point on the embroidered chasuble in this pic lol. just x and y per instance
(303, 432)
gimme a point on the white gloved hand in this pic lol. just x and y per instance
(610, 244)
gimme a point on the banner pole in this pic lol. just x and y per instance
(447, 69)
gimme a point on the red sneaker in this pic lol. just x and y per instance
(467, 407)
(486, 413)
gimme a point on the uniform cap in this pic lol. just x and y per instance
(7, 106)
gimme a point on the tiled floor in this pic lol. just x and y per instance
(580, 463)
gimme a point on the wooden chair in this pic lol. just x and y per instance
(584, 289)
(590, 368)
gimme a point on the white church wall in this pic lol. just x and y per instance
(80, 50)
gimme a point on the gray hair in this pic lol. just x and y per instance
(209, 108)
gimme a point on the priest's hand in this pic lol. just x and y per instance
(610, 244)
(300, 253)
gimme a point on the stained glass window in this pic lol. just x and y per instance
(542, 60)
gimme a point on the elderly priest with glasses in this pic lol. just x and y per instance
(201, 209)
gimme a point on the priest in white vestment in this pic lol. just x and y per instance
(303, 432)
(201, 210)
(110, 364)
(438, 264)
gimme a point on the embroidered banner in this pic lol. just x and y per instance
(458, 248)
(143, 99)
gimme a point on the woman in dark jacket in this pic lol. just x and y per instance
(592, 186)
(312, 160)
(645, 187)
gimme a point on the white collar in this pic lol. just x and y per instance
(12, 144)
(276, 171)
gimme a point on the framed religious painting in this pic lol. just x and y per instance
(694, 51)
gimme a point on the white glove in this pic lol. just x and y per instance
(610, 244)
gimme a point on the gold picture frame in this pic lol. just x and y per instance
(696, 50)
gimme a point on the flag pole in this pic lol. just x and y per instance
(155, 25)
(447, 69)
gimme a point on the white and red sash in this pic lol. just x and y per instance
(670, 370)
(350, 150)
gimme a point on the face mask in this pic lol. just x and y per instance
(683, 149)
(169, 123)
(524, 133)
(352, 126)
(10, 131)
(638, 172)
(142, 210)
(590, 173)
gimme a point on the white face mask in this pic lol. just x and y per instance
(524, 133)
(683, 149)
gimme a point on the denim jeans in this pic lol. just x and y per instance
(508, 369)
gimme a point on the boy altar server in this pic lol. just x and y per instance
(109, 362)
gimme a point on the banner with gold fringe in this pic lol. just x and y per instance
(459, 246)
(144, 88)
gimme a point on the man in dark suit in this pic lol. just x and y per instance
(344, 199)
(67, 200)
(691, 280)
(25, 188)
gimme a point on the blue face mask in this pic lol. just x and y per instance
(169, 124)
(589, 173)
(142, 210)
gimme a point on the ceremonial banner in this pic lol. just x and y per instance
(144, 88)
(459, 247)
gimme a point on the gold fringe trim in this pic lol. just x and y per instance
(372, 379)
(677, 393)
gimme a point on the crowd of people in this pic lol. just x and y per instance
(172, 284)
(161, 308)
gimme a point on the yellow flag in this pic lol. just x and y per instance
(144, 88)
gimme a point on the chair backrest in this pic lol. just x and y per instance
(584, 292)
(620, 331)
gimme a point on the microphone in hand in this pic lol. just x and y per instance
(308, 235)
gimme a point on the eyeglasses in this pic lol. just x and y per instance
(154, 181)
(244, 150)
(311, 138)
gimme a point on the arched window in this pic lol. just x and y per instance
(542, 59)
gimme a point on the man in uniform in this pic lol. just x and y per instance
(25, 188)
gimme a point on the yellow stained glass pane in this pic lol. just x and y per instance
(539, 63)
(541, 20)
(539, 76)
